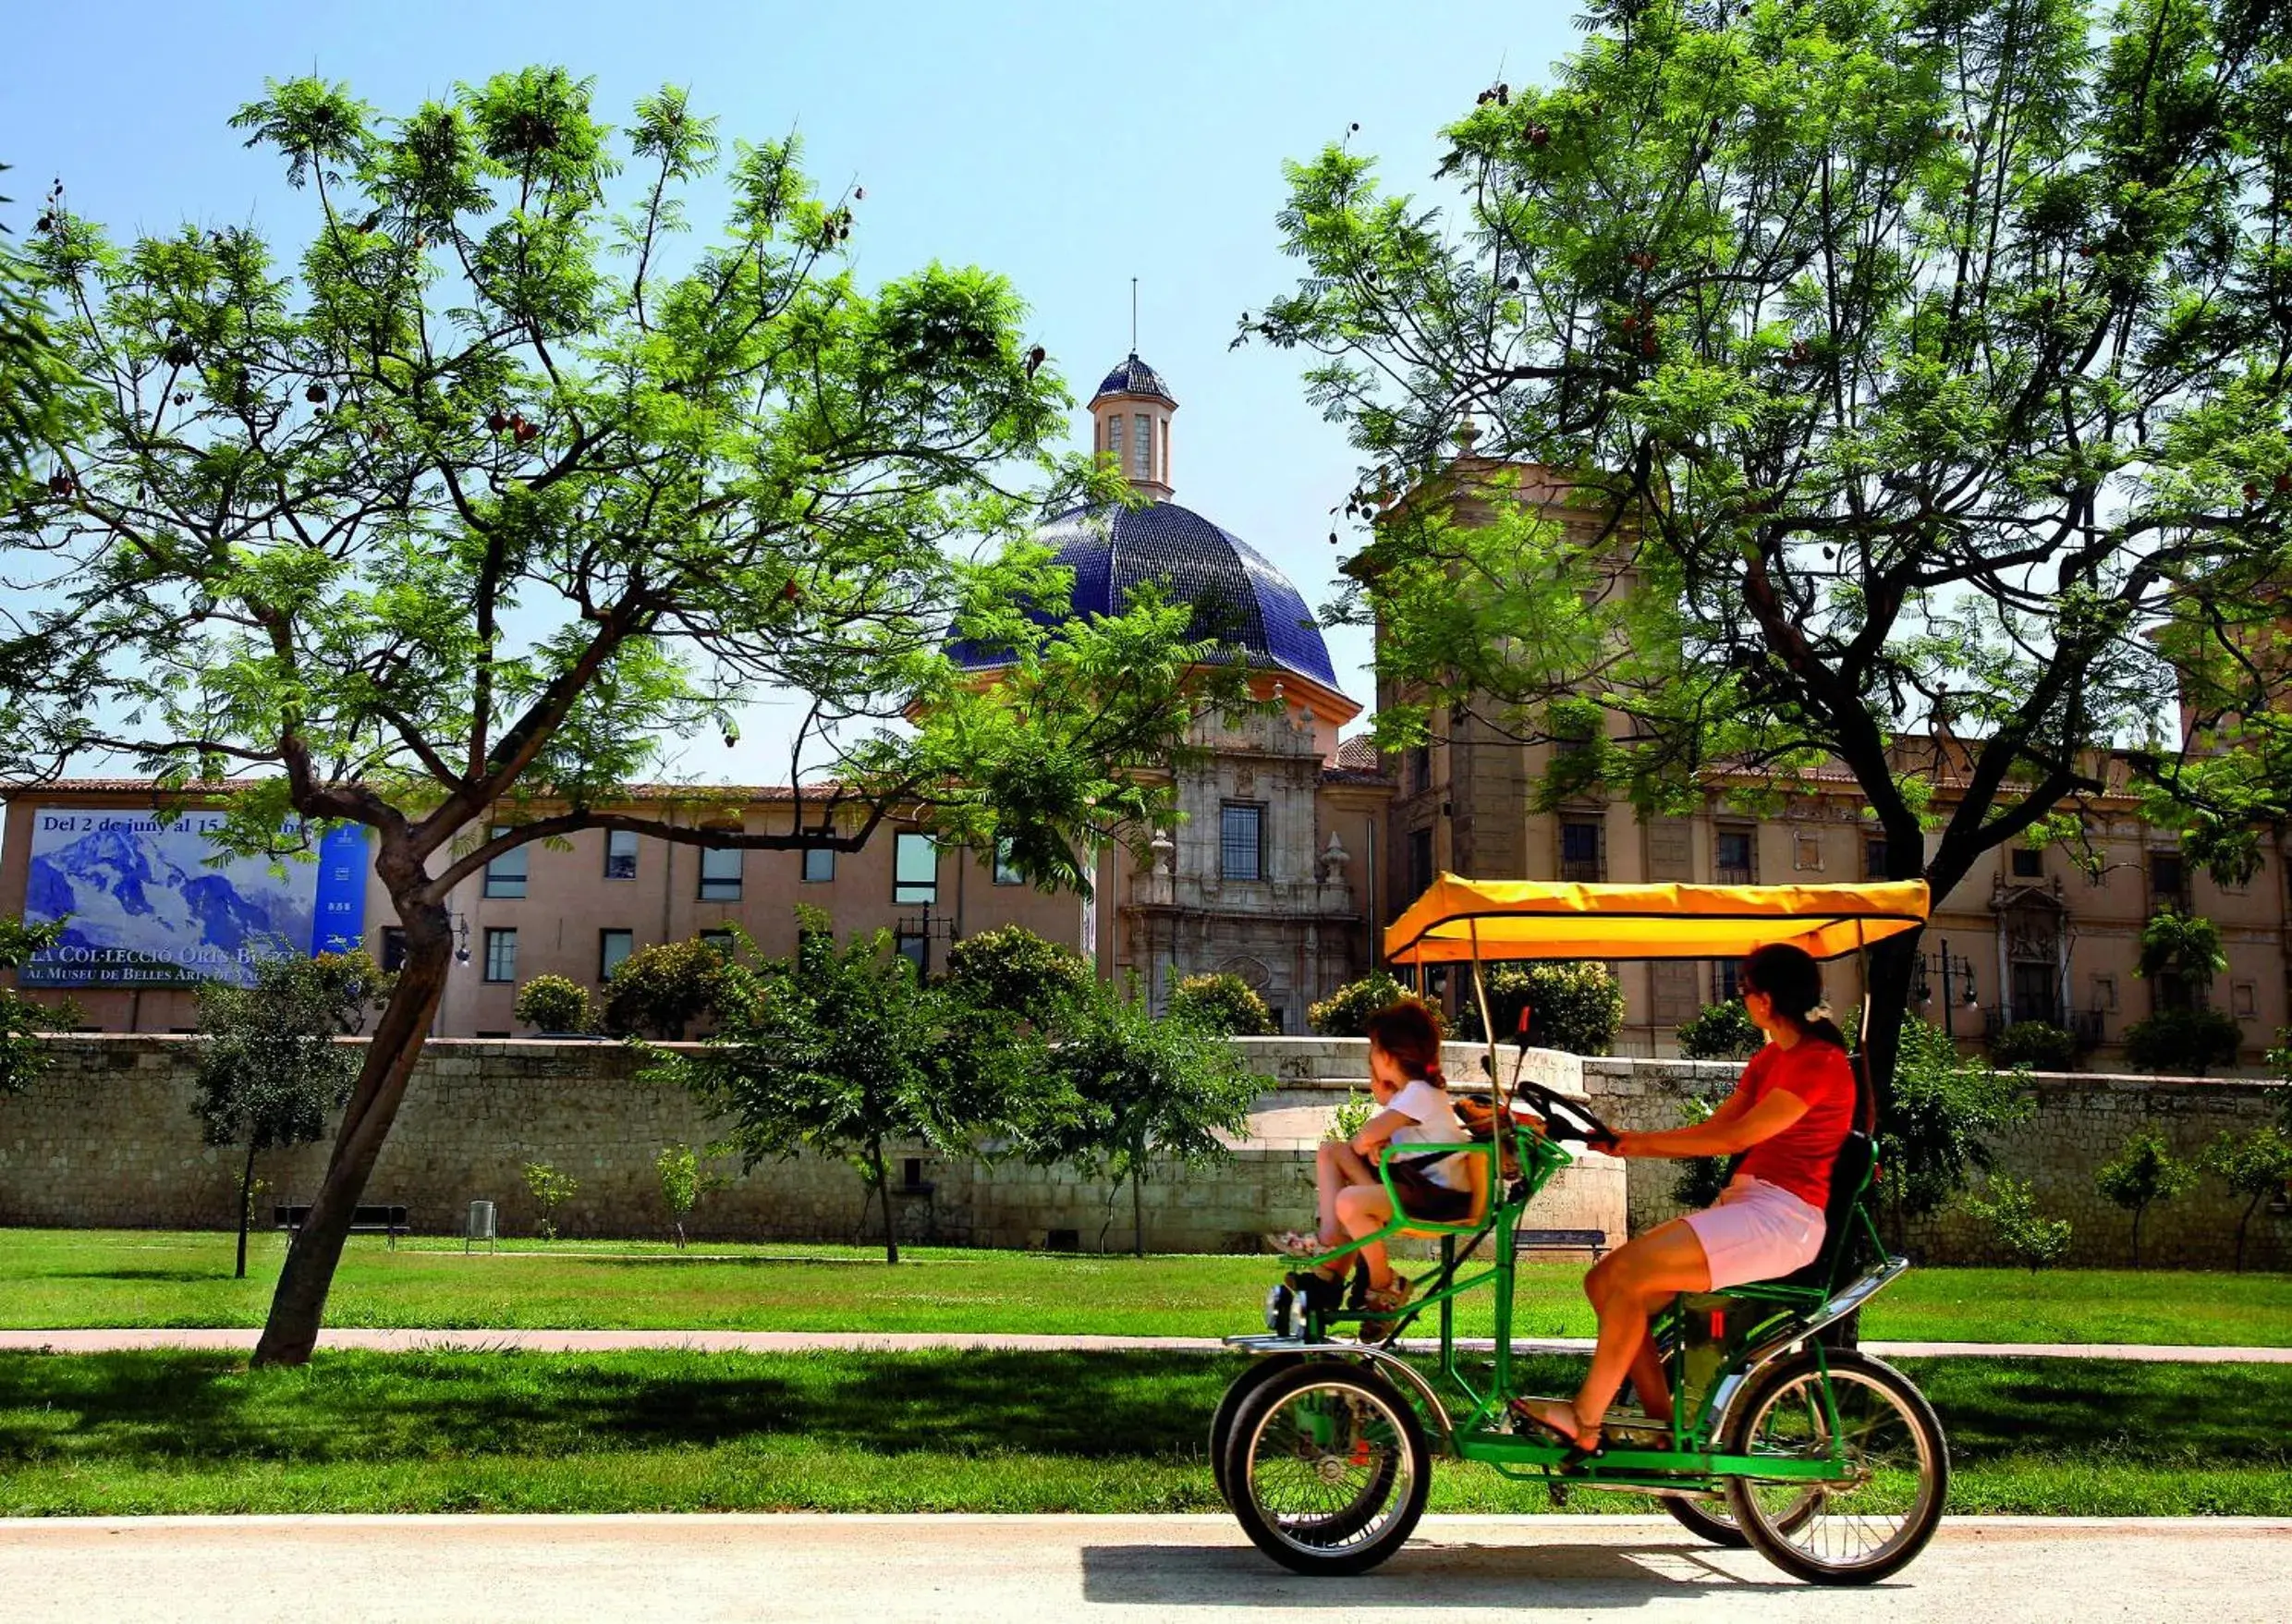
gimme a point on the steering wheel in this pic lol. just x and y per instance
(1565, 1118)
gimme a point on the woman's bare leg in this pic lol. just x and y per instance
(1627, 1286)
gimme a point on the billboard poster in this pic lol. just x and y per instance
(146, 904)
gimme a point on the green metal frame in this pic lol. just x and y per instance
(1780, 1317)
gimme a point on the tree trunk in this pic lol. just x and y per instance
(1138, 1206)
(300, 1303)
(882, 1194)
(2243, 1220)
(2136, 1216)
(246, 1201)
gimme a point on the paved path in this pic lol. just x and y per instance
(1198, 1570)
(112, 1341)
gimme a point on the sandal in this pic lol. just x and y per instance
(1295, 1243)
(1382, 1305)
(1557, 1417)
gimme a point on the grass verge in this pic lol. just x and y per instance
(53, 1279)
(199, 1433)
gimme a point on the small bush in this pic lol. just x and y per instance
(1576, 1005)
(1700, 1180)
(1721, 1032)
(1222, 1003)
(1350, 1117)
(552, 1003)
(551, 1190)
(2039, 1045)
(662, 989)
(2190, 1041)
(1010, 967)
(2145, 1173)
(2021, 1233)
(1345, 1013)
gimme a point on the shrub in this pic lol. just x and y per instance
(552, 1004)
(1701, 1178)
(1721, 1032)
(2145, 1173)
(2018, 1230)
(1576, 1005)
(662, 989)
(1345, 1013)
(683, 1183)
(1012, 969)
(1350, 1117)
(2191, 1041)
(2256, 1167)
(551, 1190)
(1222, 1003)
(1934, 1131)
(2037, 1044)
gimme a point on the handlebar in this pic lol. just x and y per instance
(1564, 1118)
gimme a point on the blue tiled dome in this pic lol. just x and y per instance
(1135, 377)
(1239, 598)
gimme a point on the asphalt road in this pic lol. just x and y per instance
(1169, 1570)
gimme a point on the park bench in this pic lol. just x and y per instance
(1592, 1240)
(364, 1220)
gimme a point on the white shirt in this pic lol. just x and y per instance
(1432, 1120)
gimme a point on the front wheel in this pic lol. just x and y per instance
(1327, 1468)
(1258, 1372)
(1854, 1532)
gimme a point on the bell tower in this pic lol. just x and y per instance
(1130, 422)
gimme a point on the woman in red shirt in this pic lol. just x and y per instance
(1790, 1114)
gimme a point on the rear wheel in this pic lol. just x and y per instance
(1869, 1526)
(1707, 1519)
(1327, 1468)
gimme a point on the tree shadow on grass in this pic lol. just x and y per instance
(2222, 1414)
(219, 1274)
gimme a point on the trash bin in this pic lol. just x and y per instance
(481, 1227)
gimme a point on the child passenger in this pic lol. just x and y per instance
(1414, 1108)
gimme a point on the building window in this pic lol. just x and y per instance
(2105, 994)
(720, 874)
(501, 955)
(819, 864)
(915, 868)
(1732, 858)
(1419, 766)
(2029, 863)
(913, 947)
(1584, 850)
(720, 941)
(613, 950)
(1807, 849)
(1241, 841)
(2168, 882)
(393, 947)
(1114, 437)
(1143, 446)
(1726, 983)
(2244, 1000)
(1874, 857)
(505, 876)
(620, 854)
(1419, 861)
(1005, 866)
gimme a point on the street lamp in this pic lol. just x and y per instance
(461, 936)
(1952, 967)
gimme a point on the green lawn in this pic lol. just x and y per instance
(193, 1431)
(56, 1279)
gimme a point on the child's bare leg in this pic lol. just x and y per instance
(1337, 1165)
(1363, 1209)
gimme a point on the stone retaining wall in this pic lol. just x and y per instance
(108, 1139)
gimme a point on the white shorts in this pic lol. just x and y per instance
(1759, 1231)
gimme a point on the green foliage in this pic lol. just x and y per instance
(1011, 968)
(2257, 1166)
(2184, 946)
(1223, 1004)
(1143, 1090)
(554, 1003)
(270, 1069)
(1700, 1179)
(1721, 1032)
(683, 1183)
(1352, 1115)
(2037, 1044)
(2185, 1041)
(1842, 325)
(550, 1190)
(1934, 1134)
(665, 988)
(839, 1051)
(2018, 1230)
(2145, 1172)
(1573, 1004)
(38, 388)
(24, 1055)
(1345, 1013)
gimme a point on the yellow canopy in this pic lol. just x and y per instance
(1550, 919)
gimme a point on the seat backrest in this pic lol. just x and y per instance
(1850, 1175)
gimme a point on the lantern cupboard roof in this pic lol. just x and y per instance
(1135, 377)
(1239, 598)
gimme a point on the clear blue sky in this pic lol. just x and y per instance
(1069, 147)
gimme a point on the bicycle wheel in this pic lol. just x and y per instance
(1328, 1468)
(1859, 1531)
(1259, 1372)
(1707, 1519)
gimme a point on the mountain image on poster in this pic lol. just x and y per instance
(144, 904)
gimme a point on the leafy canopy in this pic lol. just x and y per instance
(270, 1070)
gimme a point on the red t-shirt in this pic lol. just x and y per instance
(1800, 1157)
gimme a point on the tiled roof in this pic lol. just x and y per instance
(1135, 377)
(1238, 597)
(1359, 754)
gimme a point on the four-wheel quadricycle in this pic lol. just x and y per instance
(1782, 1437)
